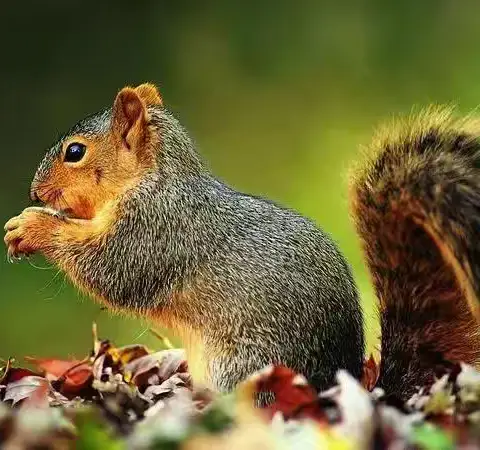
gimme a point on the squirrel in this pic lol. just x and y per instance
(134, 217)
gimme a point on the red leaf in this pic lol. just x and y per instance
(76, 379)
(294, 397)
(371, 372)
(72, 375)
(54, 367)
(16, 374)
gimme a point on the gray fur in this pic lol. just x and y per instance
(269, 286)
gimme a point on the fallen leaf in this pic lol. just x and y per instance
(357, 410)
(70, 376)
(162, 365)
(124, 355)
(294, 397)
(171, 361)
(38, 398)
(53, 367)
(17, 391)
(98, 366)
(170, 385)
(16, 373)
(371, 372)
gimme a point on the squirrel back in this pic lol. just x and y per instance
(416, 205)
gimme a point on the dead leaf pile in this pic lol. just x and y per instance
(133, 398)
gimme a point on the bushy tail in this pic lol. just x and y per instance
(416, 205)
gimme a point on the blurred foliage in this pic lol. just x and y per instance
(278, 94)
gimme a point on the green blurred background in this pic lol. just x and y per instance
(278, 94)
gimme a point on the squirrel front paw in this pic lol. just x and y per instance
(32, 231)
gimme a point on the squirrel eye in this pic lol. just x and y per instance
(75, 152)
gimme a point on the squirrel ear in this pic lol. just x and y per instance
(130, 118)
(148, 92)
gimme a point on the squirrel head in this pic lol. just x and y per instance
(101, 156)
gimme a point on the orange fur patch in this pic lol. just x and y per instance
(149, 94)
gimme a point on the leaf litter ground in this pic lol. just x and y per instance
(134, 398)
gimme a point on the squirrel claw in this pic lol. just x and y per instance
(13, 258)
(29, 232)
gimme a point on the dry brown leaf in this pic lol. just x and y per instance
(17, 391)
